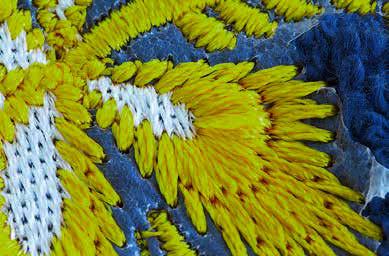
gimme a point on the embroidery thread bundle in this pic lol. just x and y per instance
(171, 240)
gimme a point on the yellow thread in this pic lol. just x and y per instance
(180, 74)
(92, 99)
(166, 171)
(45, 3)
(106, 115)
(230, 72)
(246, 18)
(9, 247)
(79, 139)
(142, 244)
(92, 69)
(293, 9)
(35, 39)
(7, 128)
(262, 78)
(3, 164)
(171, 241)
(301, 109)
(123, 130)
(123, 72)
(151, 70)
(145, 148)
(16, 109)
(360, 6)
(206, 31)
(3, 72)
(76, 15)
(73, 111)
(7, 8)
(19, 20)
(47, 20)
(78, 211)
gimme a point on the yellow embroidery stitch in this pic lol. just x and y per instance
(171, 241)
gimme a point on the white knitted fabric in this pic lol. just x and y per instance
(146, 103)
(32, 190)
(33, 194)
(14, 53)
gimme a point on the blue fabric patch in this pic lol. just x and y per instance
(351, 52)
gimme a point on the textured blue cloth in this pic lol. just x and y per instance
(351, 52)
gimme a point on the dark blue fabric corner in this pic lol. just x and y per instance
(351, 52)
(378, 211)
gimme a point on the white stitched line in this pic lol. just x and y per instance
(33, 194)
(14, 53)
(2, 99)
(32, 191)
(146, 103)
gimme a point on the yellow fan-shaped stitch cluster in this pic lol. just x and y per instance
(171, 240)
(246, 165)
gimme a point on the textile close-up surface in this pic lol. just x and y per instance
(196, 127)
